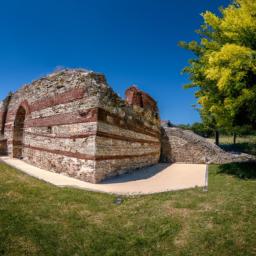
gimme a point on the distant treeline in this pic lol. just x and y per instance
(202, 130)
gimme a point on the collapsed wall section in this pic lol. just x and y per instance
(178, 145)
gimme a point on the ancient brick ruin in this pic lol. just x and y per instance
(71, 122)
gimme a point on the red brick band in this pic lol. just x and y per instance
(92, 115)
(125, 123)
(89, 115)
(77, 136)
(124, 138)
(98, 133)
(86, 156)
(16, 143)
(62, 98)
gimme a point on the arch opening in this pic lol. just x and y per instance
(18, 133)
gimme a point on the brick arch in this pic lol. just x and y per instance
(18, 128)
(26, 106)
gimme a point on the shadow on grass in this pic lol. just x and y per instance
(245, 170)
(249, 148)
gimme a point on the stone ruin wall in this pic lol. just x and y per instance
(129, 135)
(60, 125)
(76, 125)
(3, 113)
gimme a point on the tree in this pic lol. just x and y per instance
(224, 67)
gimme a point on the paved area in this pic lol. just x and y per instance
(154, 179)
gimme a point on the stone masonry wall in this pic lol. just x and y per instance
(3, 113)
(2, 110)
(72, 122)
(60, 123)
(3, 141)
(3, 146)
(128, 135)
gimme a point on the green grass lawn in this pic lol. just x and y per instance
(39, 219)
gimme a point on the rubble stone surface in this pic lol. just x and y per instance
(178, 145)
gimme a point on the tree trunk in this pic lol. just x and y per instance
(234, 138)
(217, 137)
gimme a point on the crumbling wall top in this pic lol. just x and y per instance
(135, 96)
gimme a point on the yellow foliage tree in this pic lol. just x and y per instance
(224, 67)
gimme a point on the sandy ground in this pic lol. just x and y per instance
(154, 179)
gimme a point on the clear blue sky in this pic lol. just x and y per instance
(130, 41)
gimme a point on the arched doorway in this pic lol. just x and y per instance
(18, 132)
